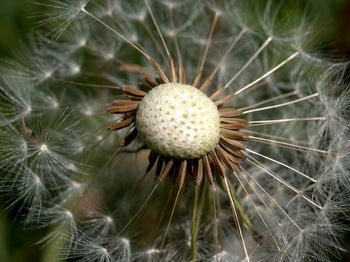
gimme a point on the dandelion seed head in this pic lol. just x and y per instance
(109, 56)
(47, 74)
(28, 110)
(69, 214)
(125, 242)
(74, 69)
(43, 148)
(103, 250)
(152, 251)
(179, 121)
(109, 219)
(82, 43)
(37, 180)
(24, 147)
(76, 185)
(87, 111)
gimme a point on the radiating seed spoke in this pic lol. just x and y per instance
(282, 164)
(268, 73)
(256, 209)
(233, 43)
(279, 179)
(234, 211)
(272, 199)
(250, 60)
(272, 99)
(157, 27)
(280, 105)
(293, 146)
(284, 120)
(117, 33)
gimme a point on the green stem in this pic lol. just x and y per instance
(200, 199)
(195, 224)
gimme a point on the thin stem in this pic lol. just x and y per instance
(117, 33)
(271, 198)
(281, 105)
(154, 40)
(228, 50)
(140, 209)
(282, 164)
(256, 209)
(181, 179)
(234, 211)
(211, 32)
(155, 232)
(284, 120)
(268, 100)
(251, 59)
(171, 217)
(268, 73)
(279, 138)
(282, 181)
(157, 27)
(271, 141)
(88, 85)
(176, 42)
(240, 211)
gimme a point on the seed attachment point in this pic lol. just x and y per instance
(178, 120)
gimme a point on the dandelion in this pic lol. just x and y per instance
(244, 129)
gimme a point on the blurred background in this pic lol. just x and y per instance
(331, 20)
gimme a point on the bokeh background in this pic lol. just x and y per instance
(331, 19)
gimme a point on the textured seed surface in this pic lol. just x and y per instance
(178, 120)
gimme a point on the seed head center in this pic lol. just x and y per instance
(178, 120)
